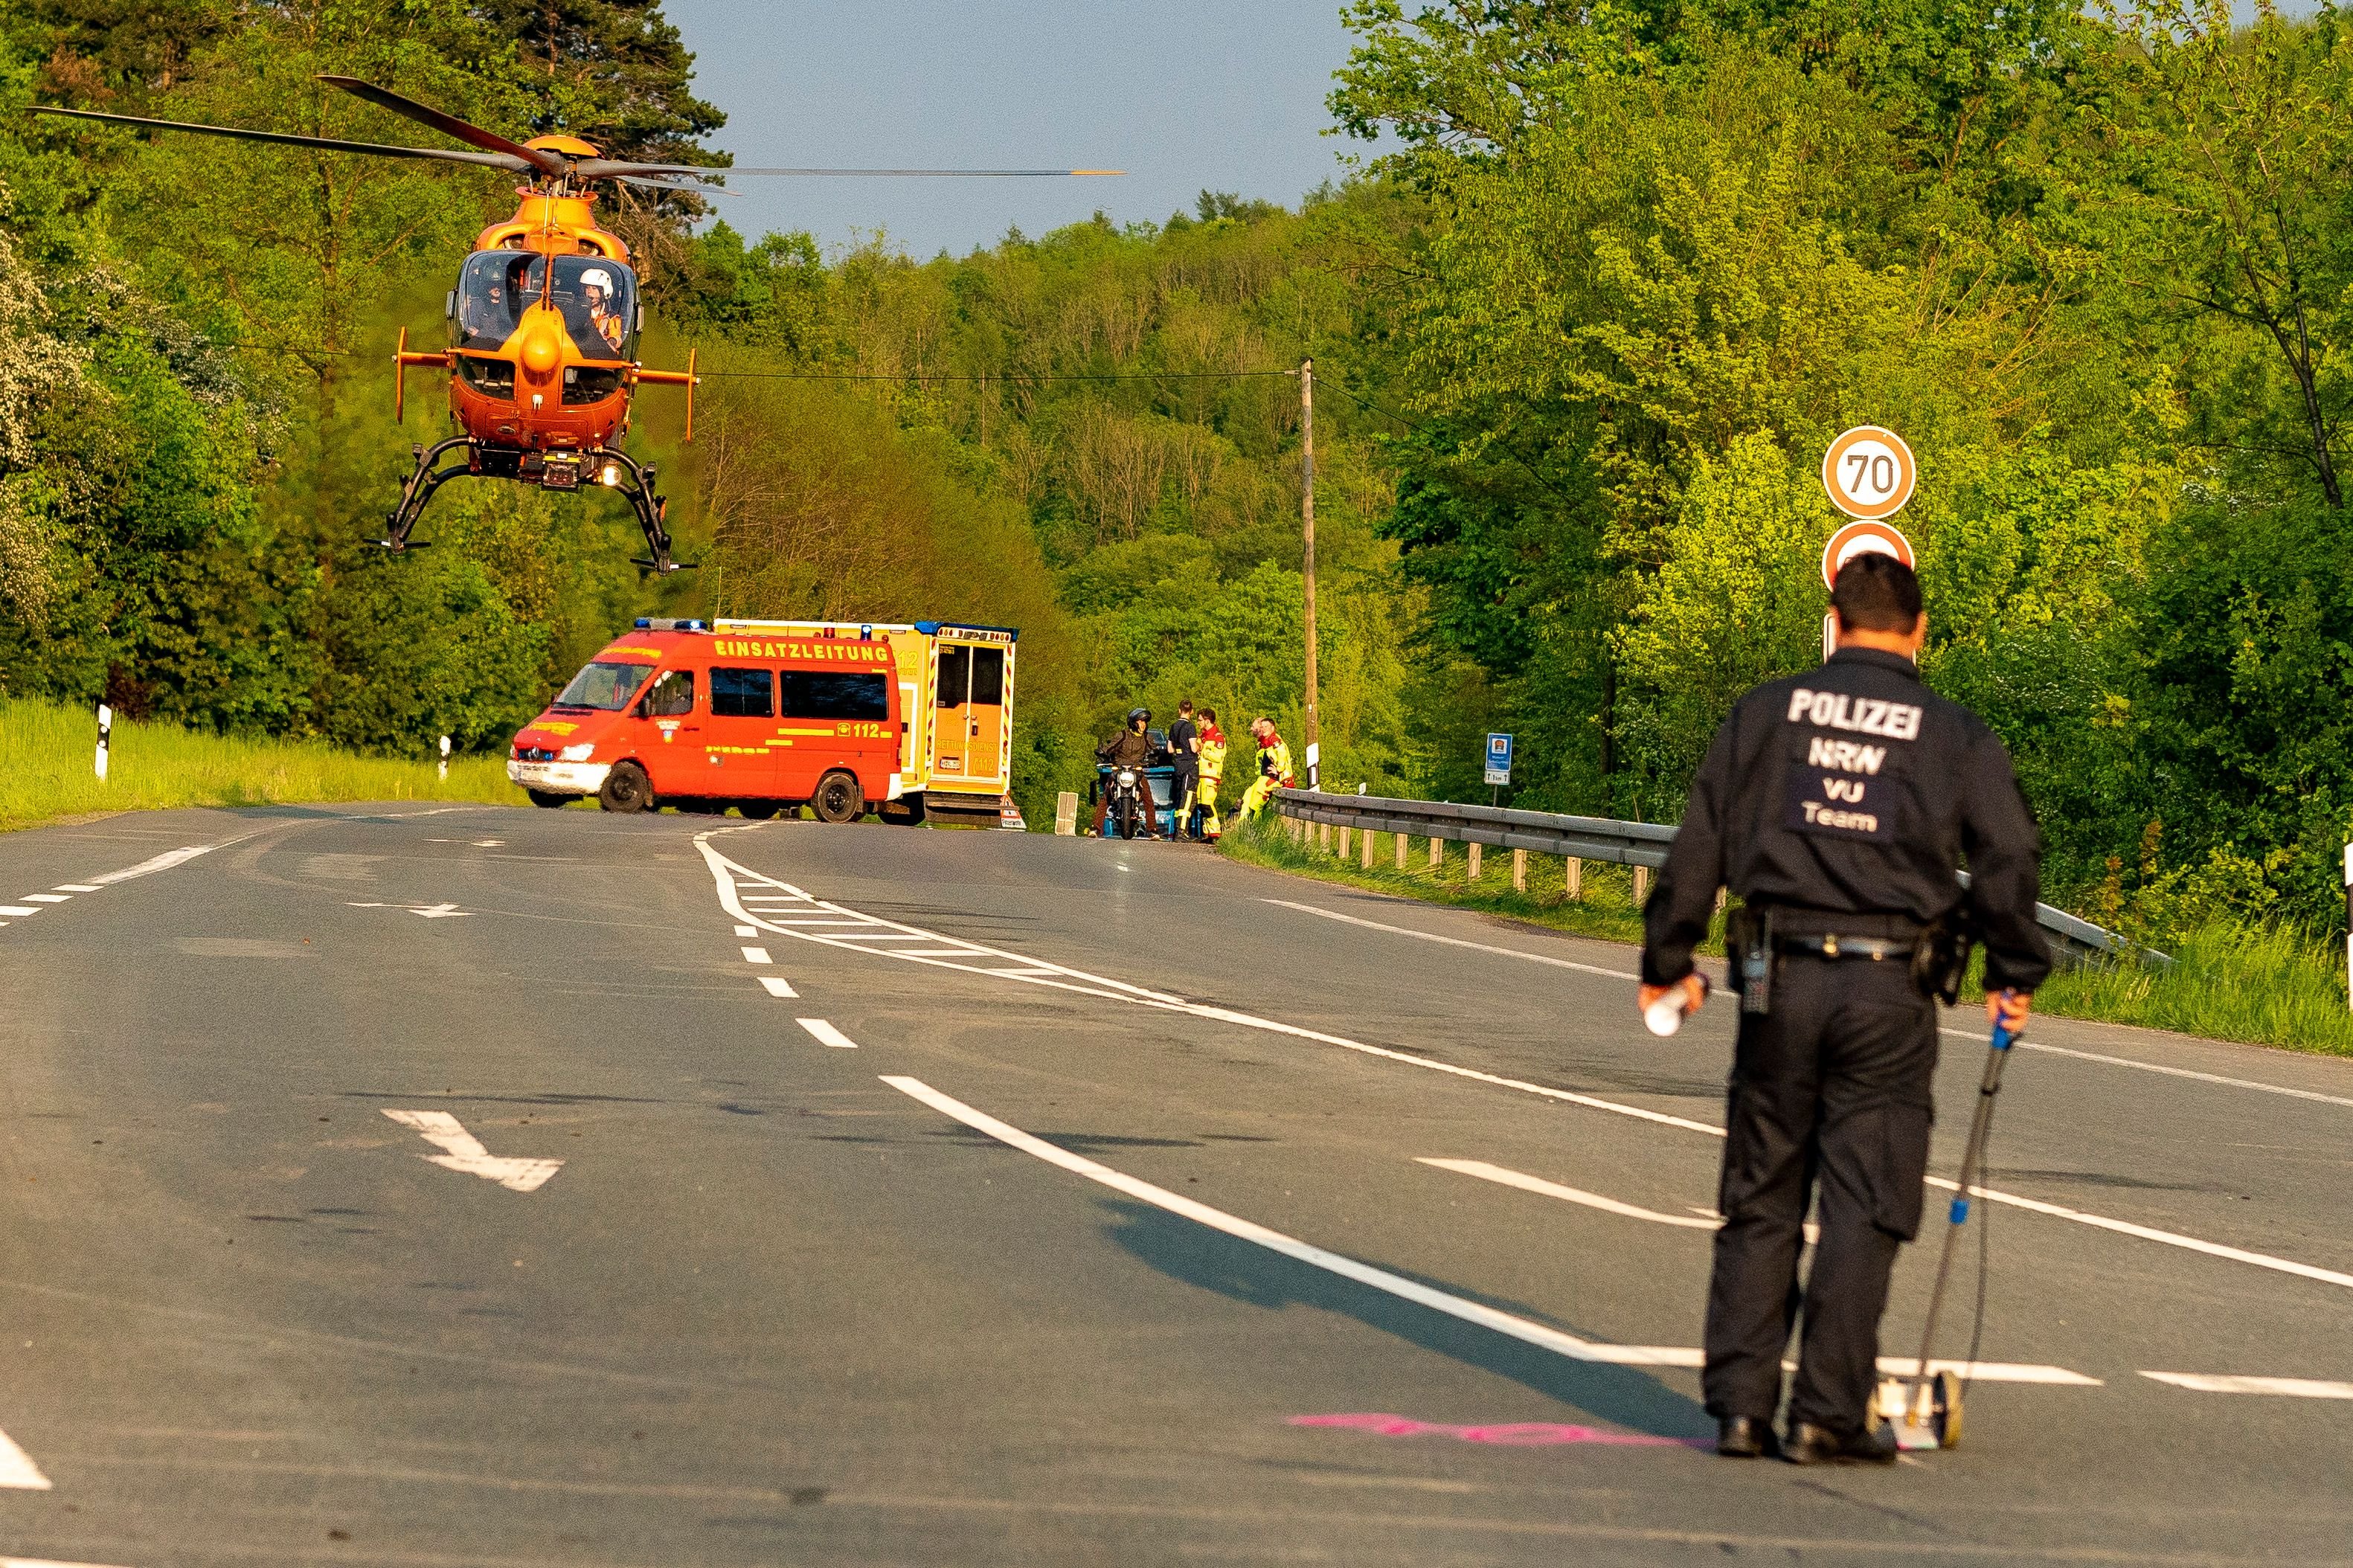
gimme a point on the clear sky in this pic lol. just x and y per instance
(1225, 94)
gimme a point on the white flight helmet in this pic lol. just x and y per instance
(596, 278)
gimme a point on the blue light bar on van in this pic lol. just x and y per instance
(646, 624)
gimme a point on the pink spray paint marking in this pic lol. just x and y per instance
(1514, 1434)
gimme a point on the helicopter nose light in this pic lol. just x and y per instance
(610, 476)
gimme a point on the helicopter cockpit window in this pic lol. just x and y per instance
(597, 297)
(599, 301)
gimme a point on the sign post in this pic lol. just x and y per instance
(1869, 474)
(1499, 765)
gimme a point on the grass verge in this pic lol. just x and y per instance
(2258, 984)
(50, 750)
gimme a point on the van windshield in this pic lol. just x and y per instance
(608, 687)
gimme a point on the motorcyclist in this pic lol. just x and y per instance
(1130, 749)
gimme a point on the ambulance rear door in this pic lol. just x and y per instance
(968, 713)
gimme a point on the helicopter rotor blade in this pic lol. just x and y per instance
(607, 168)
(449, 125)
(645, 183)
(374, 149)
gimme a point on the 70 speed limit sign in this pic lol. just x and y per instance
(1868, 472)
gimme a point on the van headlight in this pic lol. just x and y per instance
(579, 753)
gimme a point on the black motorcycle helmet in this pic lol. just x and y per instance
(1136, 716)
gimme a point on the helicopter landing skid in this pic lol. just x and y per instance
(560, 471)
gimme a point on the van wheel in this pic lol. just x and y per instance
(907, 810)
(542, 798)
(839, 797)
(759, 810)
(627, 788)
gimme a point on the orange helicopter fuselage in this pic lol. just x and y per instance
(531, 384)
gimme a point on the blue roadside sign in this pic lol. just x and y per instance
(1499, 760)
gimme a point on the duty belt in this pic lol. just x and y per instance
(1831, 944)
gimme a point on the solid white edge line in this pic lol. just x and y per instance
(825, 1034)
(1959, 1034)
(777, 985)
(1510, 1178)
(44, 1563)
(1413, 1291)
(2225, 1383)
(17, 1470)
(2169, 1072)
(722, 869)
(1454, 941)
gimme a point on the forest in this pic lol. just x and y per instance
(1603, 284)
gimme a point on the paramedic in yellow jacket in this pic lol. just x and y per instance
(1213, 768)
(1274, 768)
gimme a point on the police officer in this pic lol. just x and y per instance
(1837, 804)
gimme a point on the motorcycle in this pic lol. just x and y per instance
(1131, 807)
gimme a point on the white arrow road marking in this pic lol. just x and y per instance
(17, 1469)
(467, 1154)
(825, 1034)
(430, 911)
(2219, 1383)
(732, 879)
(1413, 1291)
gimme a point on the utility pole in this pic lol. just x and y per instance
(1308, 536)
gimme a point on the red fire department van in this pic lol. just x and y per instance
(671, 714)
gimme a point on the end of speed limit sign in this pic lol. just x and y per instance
(1868, 472)
(1863, 538)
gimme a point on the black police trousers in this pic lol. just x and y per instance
(1831, 1093)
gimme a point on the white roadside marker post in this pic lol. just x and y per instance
(106, 733)
(445, 759)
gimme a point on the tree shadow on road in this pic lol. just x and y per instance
(1242, 1271)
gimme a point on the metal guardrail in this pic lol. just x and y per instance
(1601, 838)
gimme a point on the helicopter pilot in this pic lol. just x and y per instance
(598, 284)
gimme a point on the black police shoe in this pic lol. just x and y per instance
(1812, 1445)
(1744, 1438)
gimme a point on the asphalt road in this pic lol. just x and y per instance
(469, 1187)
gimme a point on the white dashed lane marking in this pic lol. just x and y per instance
(76, 887)
(49, 898)
(825, 1034)
(777, 985)
(2221, 1382)
(17, 1469)
(18, 911)
(757, 955)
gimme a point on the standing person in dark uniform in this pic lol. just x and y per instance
(1185, 756)
(1837, 804)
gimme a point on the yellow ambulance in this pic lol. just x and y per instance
(956, 692)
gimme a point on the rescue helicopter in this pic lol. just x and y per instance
(545, 315)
